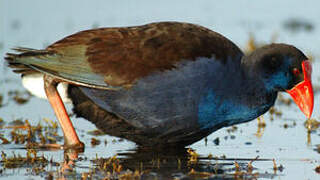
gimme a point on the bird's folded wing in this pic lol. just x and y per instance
(110, 58)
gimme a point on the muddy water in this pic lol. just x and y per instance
(282, 149)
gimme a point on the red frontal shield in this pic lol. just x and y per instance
(302, 93)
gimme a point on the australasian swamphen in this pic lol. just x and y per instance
(166, 83)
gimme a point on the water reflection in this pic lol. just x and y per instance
(165, 164)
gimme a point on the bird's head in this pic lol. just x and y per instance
(283, 67)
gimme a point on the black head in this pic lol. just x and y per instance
(279, 66)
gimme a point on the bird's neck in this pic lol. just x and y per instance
(256, 82)
(242, 101)
(240, 84)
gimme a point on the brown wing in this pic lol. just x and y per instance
(123, 55)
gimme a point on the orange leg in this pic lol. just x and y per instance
(71, 139)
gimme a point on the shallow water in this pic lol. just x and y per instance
(285, 138)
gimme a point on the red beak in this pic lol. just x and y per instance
(302, 93)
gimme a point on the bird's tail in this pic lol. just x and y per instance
(72, 69)
(24, 59)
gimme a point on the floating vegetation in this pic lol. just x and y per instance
(32, 136)
(96, 132)
(274, 111)
(17, 122)
(286, 125)
(276, 168)
(193, 156)
(195, 174)
(30, 160)
(283, 100)
(253, 44)
(318, 148)
(311, 124)
(111, 164)
(51, 124)
(317, 169)
(95, 142)
(232, 129)
(2, 123)
(1, 100)
(261, 127)
(261, 122)
(189, 165)
(216, 141)
(297, 25)
(235, 170)
(20, 97)
(4, 140)
(112, 169)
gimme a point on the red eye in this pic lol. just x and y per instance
(296, 71)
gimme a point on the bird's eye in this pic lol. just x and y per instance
(295, 71)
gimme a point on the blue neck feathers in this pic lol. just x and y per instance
(216, 111)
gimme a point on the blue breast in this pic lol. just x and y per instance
(214, 110)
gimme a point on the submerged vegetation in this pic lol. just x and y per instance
(36, 139)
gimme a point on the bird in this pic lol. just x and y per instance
(162, 84)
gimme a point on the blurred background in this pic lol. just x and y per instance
(285, 138)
